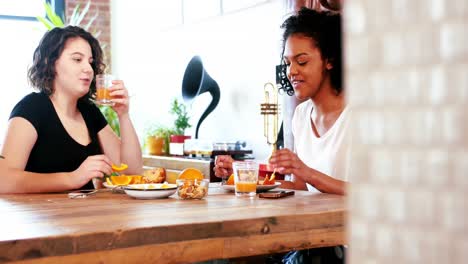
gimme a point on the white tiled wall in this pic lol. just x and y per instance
(407, 83)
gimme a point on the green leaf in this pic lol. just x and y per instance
(54, 18)
(90, 22)
(58, 21)
(112, 118)
(182, 119)
(46, 23)
(112, 174)
(74, 16)
(83, 13)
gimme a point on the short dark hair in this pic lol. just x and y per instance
(42, 72)
(325, 29)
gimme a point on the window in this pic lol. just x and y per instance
(21, 8)
(20, 33)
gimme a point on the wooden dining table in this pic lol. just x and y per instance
(110, 227)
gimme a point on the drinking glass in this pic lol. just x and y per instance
(103, 83)
(245, 178)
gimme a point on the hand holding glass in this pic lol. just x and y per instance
(103, 83)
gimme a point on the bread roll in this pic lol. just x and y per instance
(156, 175)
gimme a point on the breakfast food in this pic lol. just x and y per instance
(123, 179)
(192, 184)
(268, 181)
(119, 168)
(119, 180)
(136, 179)
(191, 174)
(164, 185)
(230, 180)
(155, 175)
(192, 189)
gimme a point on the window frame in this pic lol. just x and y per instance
(57, 5)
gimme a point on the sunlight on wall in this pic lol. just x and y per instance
(239, 51)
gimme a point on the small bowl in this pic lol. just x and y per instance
(192, 189)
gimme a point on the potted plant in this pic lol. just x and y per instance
(111, 117)
(157, 140)
(181, 122)
(53, 20)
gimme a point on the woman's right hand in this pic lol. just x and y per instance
(223, 166)
(93, 167)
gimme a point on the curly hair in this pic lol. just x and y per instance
(324, 28)
(42, 72)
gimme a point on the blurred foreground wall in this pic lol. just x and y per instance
(407, 83)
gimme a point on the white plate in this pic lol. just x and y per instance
(260, 188)
(110, 186)
(150, 191)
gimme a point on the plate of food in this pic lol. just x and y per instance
(150, 191)
(150, 176)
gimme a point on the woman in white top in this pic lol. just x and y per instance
(312, 55)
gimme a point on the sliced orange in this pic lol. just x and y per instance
(270, 180)
(120, 167)
(191, 174)
(136, 179)
(267, 182)
(230, 180)
(121, 180)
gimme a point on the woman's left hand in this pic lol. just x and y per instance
(287, 162)
(120, 97)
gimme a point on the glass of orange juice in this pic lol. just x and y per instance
(103, 83)
(245, 178)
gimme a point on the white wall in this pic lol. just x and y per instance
(239, 51)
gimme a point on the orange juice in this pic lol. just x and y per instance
(245, 178)
(102, 94)
(246, 187)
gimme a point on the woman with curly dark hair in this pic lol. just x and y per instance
(312, 55)
(58, 132)
(312, 58)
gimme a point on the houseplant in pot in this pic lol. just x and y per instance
(181, 123)
(157, 139)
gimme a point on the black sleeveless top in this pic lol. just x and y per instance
(55, 150)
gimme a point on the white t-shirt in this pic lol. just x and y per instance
(329, 153)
